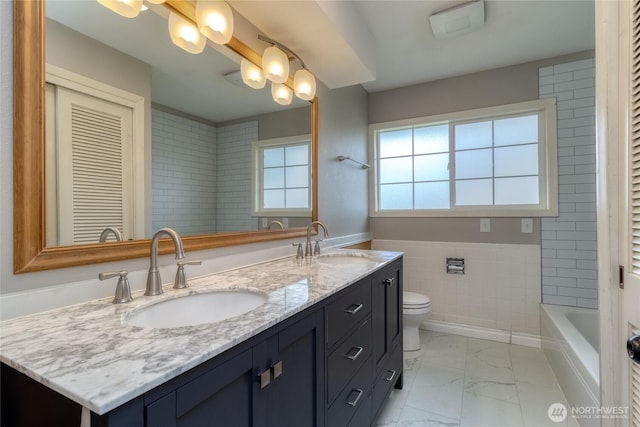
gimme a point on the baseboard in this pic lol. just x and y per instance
(483, 333)
(528, 340)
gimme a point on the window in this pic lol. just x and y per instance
(282, 176)
(498, 161)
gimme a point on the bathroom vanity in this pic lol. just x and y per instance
(325, 349)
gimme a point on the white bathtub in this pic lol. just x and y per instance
(570, 340)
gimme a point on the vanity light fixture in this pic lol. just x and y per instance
(252, 75)
(304, 83)
(281, 93)
(215, 20)
(126, 8)
(275, 64)
(185, 34)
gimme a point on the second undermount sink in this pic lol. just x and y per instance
(196, 309)
(345, 258)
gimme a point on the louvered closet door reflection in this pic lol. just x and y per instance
(94, 141)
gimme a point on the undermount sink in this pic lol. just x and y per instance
(345, 258)
(196, 309)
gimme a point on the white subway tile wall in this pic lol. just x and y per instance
(183, 174)
(201, 175)
(234, 177)
(499, 290)
(569, 255)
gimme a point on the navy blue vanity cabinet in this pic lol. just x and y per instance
(273, 379)
(295, 360)
(386, 317)
(330, 365)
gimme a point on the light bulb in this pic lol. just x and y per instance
(185, 35)
(188, 33)
(281, 93)
(252, 75)
(215, 20)
(275, 65)
(304, 84)
(126, 8)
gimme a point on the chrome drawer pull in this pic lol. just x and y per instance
(390, 377)
(353, 308)
(389, 281)
(354, 402)
(265, 378)
(276, 369)
(355, 356)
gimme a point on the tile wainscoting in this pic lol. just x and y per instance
(498, 297)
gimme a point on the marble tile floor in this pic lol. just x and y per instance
(458, 381)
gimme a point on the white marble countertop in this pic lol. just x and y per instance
(87, 353)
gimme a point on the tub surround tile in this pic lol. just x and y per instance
(72, 349)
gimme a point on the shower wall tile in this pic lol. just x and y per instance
(569, 256)
(499, 290)
(183, 168)
(234, 177)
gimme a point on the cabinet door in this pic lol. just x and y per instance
(220, 397)
(295, 394)
(386, 315)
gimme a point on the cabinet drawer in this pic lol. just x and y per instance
(353, 397)
(362, 418)
(348, 311)
(387, 378)
(347, 358)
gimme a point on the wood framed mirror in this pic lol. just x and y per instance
(30, 250)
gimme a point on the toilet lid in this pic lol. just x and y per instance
(414, 298)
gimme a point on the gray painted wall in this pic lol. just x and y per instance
(501, 86)
(343, 186)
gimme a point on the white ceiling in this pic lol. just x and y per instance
(386, 44)
(381, 44)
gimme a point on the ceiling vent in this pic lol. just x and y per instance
(458, 20)
(235, 78)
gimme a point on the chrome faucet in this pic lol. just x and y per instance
(154, 284)
(308, 252)
(275, 222)
(105, 234)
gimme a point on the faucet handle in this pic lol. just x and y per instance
(299, 253)
(316, 249)
(181, 278)
(123, 290)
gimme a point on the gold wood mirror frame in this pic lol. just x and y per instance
(30, 251)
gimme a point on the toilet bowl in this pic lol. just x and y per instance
(415, 308)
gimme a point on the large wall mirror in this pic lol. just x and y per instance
(196, 132)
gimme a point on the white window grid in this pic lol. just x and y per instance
(547, 162)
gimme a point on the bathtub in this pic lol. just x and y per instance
(570, 340)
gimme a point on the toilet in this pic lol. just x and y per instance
(415, 308)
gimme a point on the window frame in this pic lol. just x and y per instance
(257, 176)
(547, 162)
